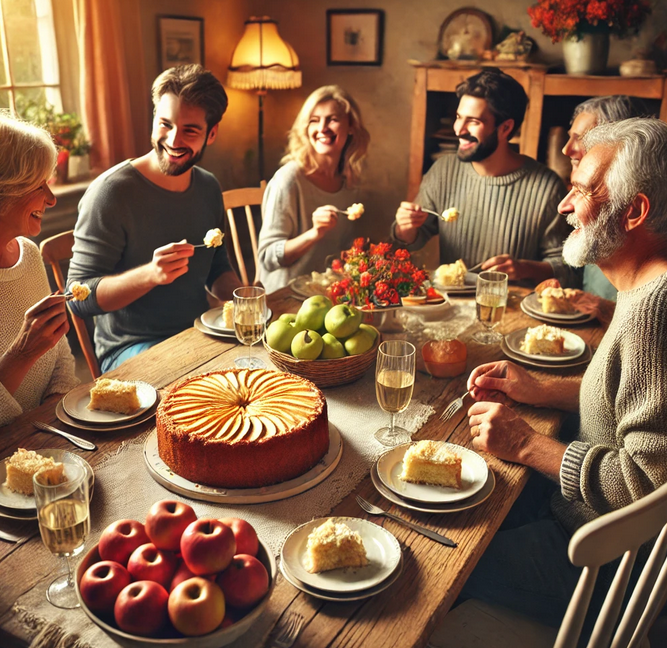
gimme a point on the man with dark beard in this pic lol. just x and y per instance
(506, 201)
(139, 221)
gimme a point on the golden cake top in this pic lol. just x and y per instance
(544, 332)
(242, 404)
(332, 531)
(112, 385)
(29, 461)
(80, 291)
(432, 451)
(451, 273)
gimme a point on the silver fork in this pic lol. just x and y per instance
(453, 407)
(376, 510)
(289, 631)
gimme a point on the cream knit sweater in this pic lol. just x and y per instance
(620, 454)
(21, 287)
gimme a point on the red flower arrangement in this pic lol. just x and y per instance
(561, 18)
(375, 276)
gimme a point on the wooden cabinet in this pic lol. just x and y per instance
(435, 85)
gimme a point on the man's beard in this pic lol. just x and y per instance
(597, 241)
(480, 152)
(176, 168)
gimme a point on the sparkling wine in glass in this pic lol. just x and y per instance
(491, 298)
(394, 382)
(64, 524)
(249, 322)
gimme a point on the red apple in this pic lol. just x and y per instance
(245, 582)
(141, 608)
(246, 538)
(120, 539)
(166, 522)
(101, 584)
(150, 563)
(183, 574)
(207, 546)
(227, 621)
(196, 607)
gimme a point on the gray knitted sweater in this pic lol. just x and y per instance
(621, 451)
(514, 214)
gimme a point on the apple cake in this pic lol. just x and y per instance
(451, 274)
(213, 238)
(23, 464)
(556, 300)
(242, 428)
(355, 211)
(80, 291)
(228, 314)
(450, 215)
(431, 462)
(543, 340)
(333, 545)
(110, 395)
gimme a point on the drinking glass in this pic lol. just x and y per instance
(394, 381)
(64, 523)
(491, 298)
(249, 322)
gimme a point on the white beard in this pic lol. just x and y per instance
(594, 242)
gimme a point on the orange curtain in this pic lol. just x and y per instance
(105, 86)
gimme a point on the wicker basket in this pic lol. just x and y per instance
(326, 373)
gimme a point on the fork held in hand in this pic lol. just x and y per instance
(453, 407)
(288, 632)
(376, 510)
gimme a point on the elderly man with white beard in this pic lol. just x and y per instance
(618, 206)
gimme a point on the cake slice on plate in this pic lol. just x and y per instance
(114, 396)
(333, 545)
(23, 464)
(431, 462)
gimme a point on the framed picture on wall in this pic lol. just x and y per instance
(354, 36)
(180, 40)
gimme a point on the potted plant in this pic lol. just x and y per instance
(584, 27)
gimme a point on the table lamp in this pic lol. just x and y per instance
(263, 61)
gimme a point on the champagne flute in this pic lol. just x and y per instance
(491, 298)
(394, 381)
(64, 522)
(249, 322)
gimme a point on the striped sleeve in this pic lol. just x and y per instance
(570, 470)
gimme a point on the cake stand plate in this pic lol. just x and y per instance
(163, 475)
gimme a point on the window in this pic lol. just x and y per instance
(29, 68)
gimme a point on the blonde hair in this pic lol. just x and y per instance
(300, 150)
(27, 158)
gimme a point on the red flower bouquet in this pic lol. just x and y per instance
(375, 276)
(561, 18)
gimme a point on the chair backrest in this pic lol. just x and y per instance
(246, 198)
(55, 250)
(616, 534)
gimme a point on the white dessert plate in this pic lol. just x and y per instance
(430, 312)
(302, 286)
(343, 597)
(64, 417)
(474, 473)
(470, 502)
(468, 288)
(382, 550)
(162, 474)
(546, 317)
(17, 502)
(533, 305)
(213, 319)
(200, 326)
(75, 404)
(583, 359)
(573, 348)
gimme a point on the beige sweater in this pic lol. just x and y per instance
(21, 287)
(621, 451)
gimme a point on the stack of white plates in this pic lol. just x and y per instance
(575, 351)
(477, 479)
(73, 410)
(17, 506)
(211, 323)
(385, 563)
(532, 306)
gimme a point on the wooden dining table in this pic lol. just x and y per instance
(402, 616)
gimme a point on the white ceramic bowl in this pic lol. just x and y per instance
(220, 637)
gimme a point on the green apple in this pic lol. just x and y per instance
(312, 312)
(279, 335)
(290, 318)
(371, 330)
(359, 343)
(332, 348)
(307, 345)
(342, 320)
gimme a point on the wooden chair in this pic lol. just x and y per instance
(615, 535)
(55, 250)
(246, 198)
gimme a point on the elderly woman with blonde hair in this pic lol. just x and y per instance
(35, 359)
(302, 221)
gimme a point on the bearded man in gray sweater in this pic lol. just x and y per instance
(618, 207)
(507, 202)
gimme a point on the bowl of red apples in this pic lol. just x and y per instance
(176, 579)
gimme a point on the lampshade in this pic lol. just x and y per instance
(262, 60)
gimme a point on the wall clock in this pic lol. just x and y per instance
(465, 34)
